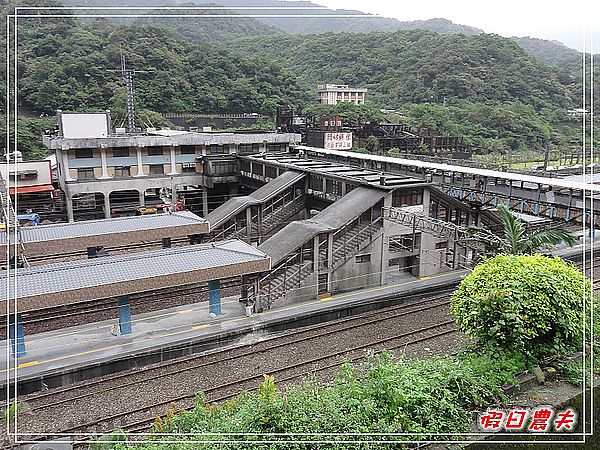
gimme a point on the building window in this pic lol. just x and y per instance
(85, 174)
(157, 169)
(215, 149)
(84, 153)
(188, 150)
(120, 152)
(245, 149)
(155, 151)
(274, 147)
(121, 171)
(363, 258)
(441, 245)
(188, 167)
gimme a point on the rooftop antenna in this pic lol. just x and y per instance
(128, 77)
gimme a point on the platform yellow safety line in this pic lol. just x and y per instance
(28, 364)
(141, 319)
(198, 327)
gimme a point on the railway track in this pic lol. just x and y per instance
(142, 417)
(287, 343)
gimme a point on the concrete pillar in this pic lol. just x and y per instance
(173, 168)
(124, 314)
(140, 166)
(16, 335)
(426, 201)
(107, 205)
(204, 201)
(104, 166)
(214, 297)
(69, 204)
(249, 221)
(427, 257)
(65, 165)
(142, 198)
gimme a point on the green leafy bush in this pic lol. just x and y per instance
(384, 395)
(530, 304)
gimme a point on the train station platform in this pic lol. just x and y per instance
(72, 354)
(84, 280)
(73, 239)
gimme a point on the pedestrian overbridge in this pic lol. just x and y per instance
(560, 199)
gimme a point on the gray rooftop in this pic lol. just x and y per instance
(330, 169)
(258, 197)
(82, 274)
(87, 228)
(191, 138)
(293, 235)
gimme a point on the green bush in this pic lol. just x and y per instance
(384, 395)
(530, 304)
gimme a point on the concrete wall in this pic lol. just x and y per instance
(356, 275)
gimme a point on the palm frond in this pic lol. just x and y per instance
(551, 236)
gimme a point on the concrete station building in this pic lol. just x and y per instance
(96, 164)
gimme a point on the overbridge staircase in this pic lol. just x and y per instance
(292, 250)
(259, 215)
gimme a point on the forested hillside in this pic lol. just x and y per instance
(295, 23)
(483, 87)
(216, 31)
(418, 66)
(64, 64)
(551, 52)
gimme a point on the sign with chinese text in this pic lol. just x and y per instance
(338, 141)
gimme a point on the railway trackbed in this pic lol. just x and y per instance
(133, 400)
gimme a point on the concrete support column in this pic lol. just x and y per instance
(173, 168)
(140, 165)
(142, 198)
(426, 201)
(214, 297)
(104, 166)
(204, 201)
(329, 260)
(249, 221)
(107, 205)
(69, 204)
(65, 165)
(124, 314)
(16, 335)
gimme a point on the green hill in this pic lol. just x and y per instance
(417, 66)
(295, 23)
(65, 64)
(217, 31)
(550, 52)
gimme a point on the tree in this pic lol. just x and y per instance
(527, 303)
(515, 240)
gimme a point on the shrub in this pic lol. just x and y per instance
(530, 304)
(384, 395)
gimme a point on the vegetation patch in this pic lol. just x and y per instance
(531, 304)
(384, 395)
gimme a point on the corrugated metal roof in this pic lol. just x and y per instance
(105, 226)
(81, 274)
(293, 235)
(261, 195)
